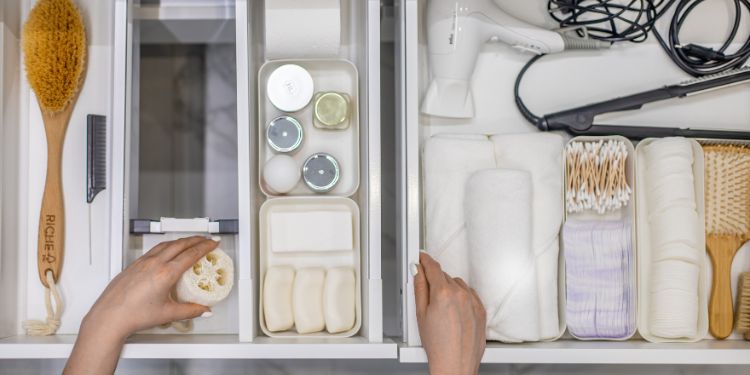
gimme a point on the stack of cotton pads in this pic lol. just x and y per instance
(600, 285)
(676, 229)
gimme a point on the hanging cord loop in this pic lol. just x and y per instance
(52, 323)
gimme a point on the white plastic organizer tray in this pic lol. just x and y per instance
(328, 75)
(626, 213)
(297, 260)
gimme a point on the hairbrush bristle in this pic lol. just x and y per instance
(54, 47)
(743, 304)
(727, 190)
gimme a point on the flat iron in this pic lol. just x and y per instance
(580, 120)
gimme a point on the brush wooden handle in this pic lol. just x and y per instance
(51, 245)
(720, 310)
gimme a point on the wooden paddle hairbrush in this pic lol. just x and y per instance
(727, 225)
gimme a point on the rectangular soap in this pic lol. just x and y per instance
(277, 299)
(311, 231)
(339, 300)
(307, 300)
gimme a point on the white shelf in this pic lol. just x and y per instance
(193, 12)
(207, 347)
(707, 352)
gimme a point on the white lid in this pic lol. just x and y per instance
(290, 88)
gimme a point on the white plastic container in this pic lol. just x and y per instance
(328, 75)
(741, 261)
(627, 213)
(297, 260)
(644, 247)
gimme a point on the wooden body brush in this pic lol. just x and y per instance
(727, 225)
(54, 47)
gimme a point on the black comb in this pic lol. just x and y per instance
(96, 156)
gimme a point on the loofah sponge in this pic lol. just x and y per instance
(54, 47)
(209, 281)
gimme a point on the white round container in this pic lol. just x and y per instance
(290, 88)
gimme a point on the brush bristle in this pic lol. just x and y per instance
(727, 190)
(54, 47)
(743, 304)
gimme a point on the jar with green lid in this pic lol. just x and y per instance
(331, 110)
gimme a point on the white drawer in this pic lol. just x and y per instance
(112, 89)
(547, 88)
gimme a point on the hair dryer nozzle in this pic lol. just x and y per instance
(448, 98)
(576, 42)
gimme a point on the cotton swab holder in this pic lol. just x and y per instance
(598, 239)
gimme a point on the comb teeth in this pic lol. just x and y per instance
(96, 156)
(727, 190)
(743, 304)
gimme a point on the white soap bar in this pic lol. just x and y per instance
(339, 299)
(311, 231)
(308, 300)
(277, 298)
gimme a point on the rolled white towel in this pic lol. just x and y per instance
(448, 161)
(501, 259)
(540, 154)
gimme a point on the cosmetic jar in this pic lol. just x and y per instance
(331, 111)
(321, 172)
(284, 134)
(290, 88)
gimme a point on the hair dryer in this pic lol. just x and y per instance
(456, 31)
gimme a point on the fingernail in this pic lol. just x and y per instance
(207, 314)
(216, 238)
(413, 269)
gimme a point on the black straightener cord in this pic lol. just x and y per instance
(698, 60)
(527, 114)
(607, 20)
(632, 20)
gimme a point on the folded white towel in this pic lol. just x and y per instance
(540, 154)
(502, 262)
(448, 161)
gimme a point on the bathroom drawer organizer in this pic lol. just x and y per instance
(182, 159)
(547, 89)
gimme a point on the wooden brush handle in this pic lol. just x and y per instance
(720, 310)
(51, 245)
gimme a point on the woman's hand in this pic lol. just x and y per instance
(451, 320)
(137, 299)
